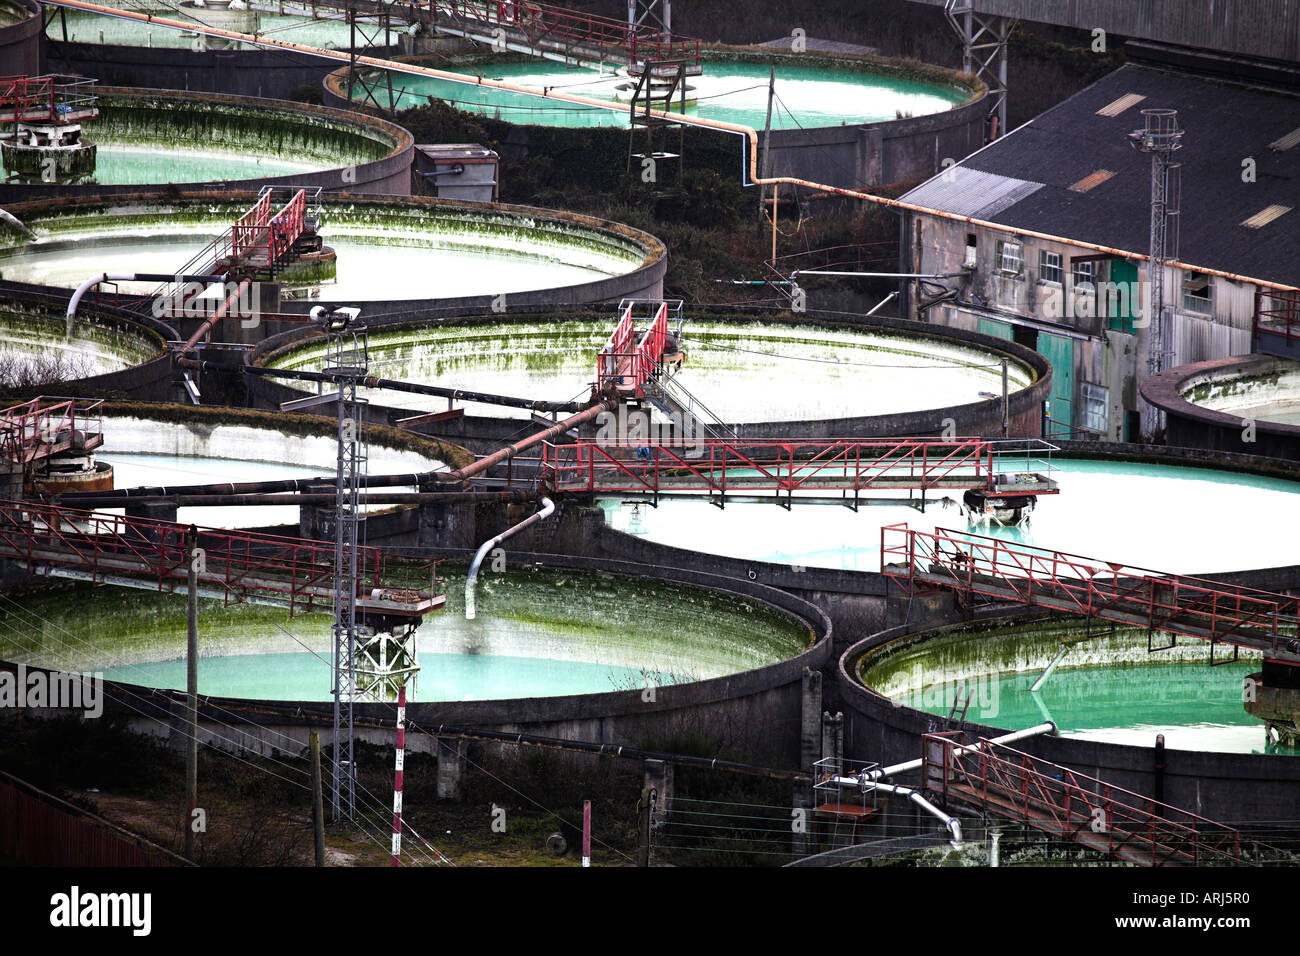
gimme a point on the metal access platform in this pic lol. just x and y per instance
(781, 469)
(1277, 324)
(1016, 786)
(46, 427)
(50, 99)
(236, 567)
(921, 561)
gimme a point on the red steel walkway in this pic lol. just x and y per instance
(235, 566)
(44, 427)
(1016, 786)
(545, 30)
(717, 467)
(1176, 604)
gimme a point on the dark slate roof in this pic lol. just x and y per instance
(1223, 122)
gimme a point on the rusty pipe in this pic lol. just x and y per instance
(505, 454)
(748, 133)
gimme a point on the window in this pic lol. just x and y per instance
(1096, 398)
(1083, 276)
(1198, 294)
(969, 261)
(1049, 267)
(1010, 257)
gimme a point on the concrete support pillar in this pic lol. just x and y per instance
(810, 730)
(449, 526)
(833, 740)
(802, 802)
(316, 522)
(155, 512)
(451, 768)
(657, 775)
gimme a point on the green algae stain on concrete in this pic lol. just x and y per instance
(583, 633)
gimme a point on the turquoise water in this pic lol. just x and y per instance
(728, 92)
(442, 676)
(1172, 519)
(1196, 707)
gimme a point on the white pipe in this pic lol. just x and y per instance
(548, 508)
(1047, 727)
(952, 823)
(1042, 678)
(90, 284)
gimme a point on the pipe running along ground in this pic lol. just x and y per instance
(749, 167)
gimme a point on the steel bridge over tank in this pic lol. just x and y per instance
(543, 30)
(783, 469)
(234, 567)
(1179, 605)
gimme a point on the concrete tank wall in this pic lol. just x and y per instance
(1243, 788)
(1195, 426)
(189, 117)
(20, 42)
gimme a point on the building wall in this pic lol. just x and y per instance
(1108, 330)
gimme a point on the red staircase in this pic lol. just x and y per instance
(624, 365)
(1070, 806)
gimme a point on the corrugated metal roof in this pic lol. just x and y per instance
(970, 192)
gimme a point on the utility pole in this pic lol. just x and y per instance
(192, 691)
(317, 802)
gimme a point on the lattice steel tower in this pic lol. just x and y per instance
(347, 363)
(1160, 137)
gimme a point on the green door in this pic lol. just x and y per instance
(1123, 308)
(1059, 350)
(999, 330)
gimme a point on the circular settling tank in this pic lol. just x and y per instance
(325, 30)
(1176, 519)
(171, 446)
(146, 137)
(825, 92)
(537, 633)
(1108, 687)
(36, 349)
(744, 371)
(408, 250)
(1263, 391)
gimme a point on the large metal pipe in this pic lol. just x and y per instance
(951, 822)
(471, 579)
(1047, 727)
(749, 160)
(92, 501)
(95, 280)
(505, 454)
(217, 315)
(370, 381)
